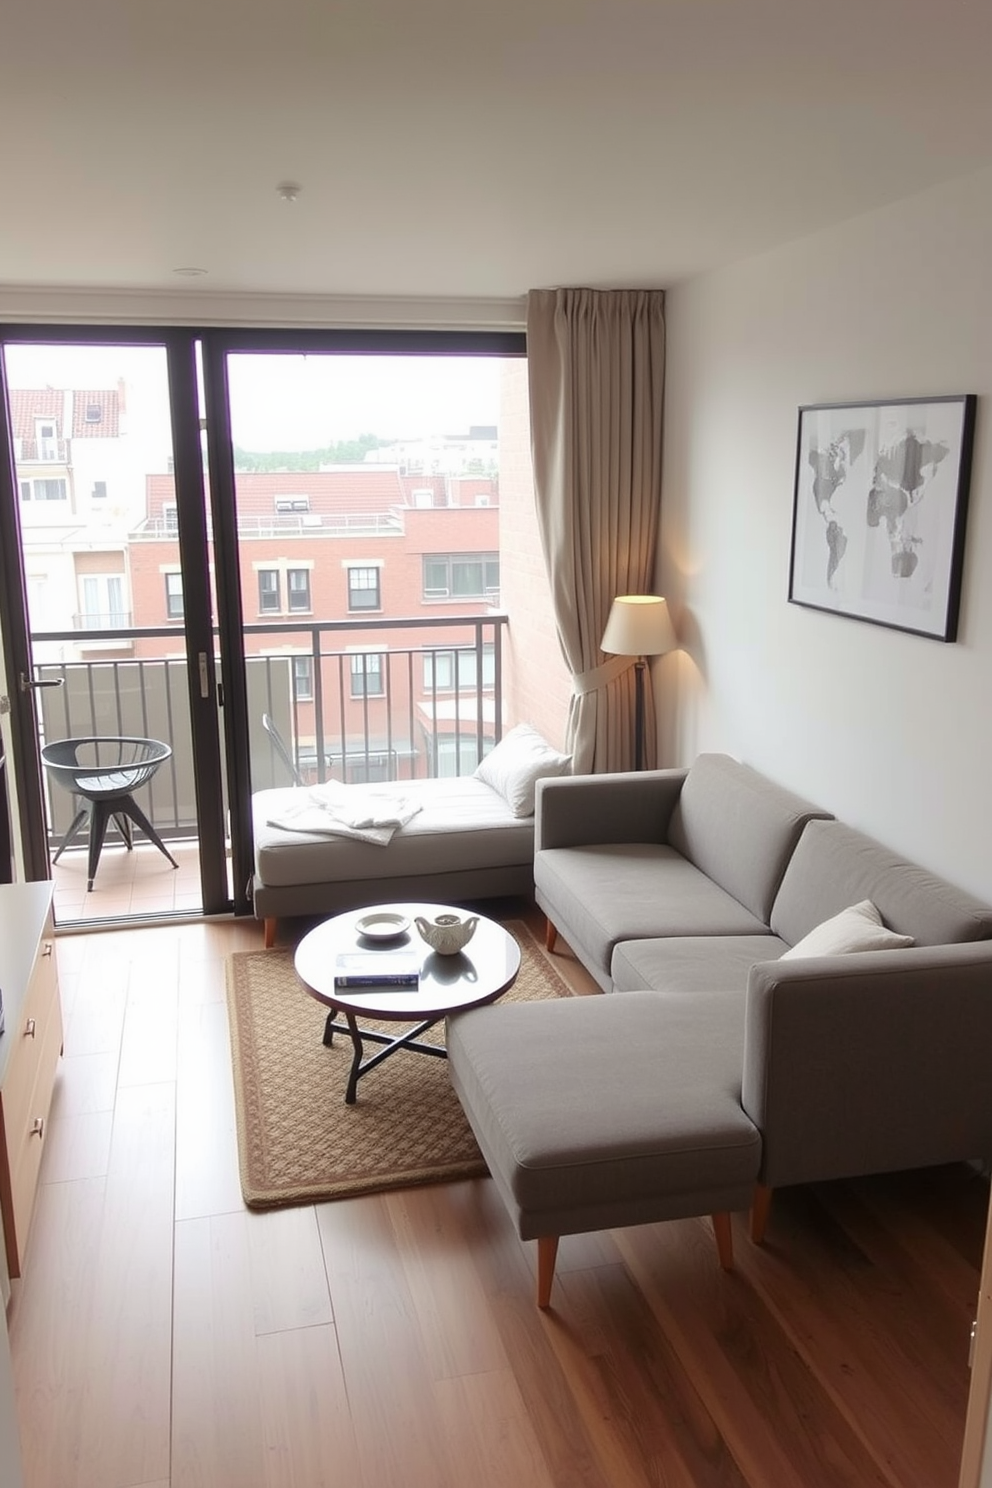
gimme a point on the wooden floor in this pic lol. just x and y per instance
(164, 1335)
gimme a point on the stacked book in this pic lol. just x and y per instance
(376, 971)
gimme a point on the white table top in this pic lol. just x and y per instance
(483, 971)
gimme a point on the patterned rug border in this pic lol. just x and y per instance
(257, 1148)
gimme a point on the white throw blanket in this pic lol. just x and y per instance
(346, 811)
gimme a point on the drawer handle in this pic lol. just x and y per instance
(47, 948)
(38, 1126)
(29, 1028)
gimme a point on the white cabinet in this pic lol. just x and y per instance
(29, 1052)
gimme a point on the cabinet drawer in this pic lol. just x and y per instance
(29, 1035)
(26, 1142)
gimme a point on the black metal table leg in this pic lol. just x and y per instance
(361, 1066)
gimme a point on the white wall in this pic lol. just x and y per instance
(891, 732)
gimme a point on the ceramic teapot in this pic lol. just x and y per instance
(447, 933)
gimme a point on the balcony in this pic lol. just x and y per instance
(356, 701)
(165, 528)
(118, 620)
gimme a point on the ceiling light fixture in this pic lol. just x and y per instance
(289, 190)
(189, 273)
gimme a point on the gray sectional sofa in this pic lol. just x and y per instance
(716, 1071)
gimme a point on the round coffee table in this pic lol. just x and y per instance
(483, 971)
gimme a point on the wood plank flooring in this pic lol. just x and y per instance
(164, 1336)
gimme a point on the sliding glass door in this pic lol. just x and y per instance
(275, 555)
(108, 625)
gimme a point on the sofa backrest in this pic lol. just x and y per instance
(739, 828)
(835, 866)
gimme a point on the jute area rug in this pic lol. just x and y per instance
(297, 1140)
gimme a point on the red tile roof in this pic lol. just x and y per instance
(94, 412)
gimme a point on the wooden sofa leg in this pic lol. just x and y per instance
(724, 1240)
(760, 1206)
(547, 1252)
(550, 936)
(270, 933)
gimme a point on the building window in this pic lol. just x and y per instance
(170, 516)
(461, 576)
(369, 771)
(43, 490)
(268, 591)
(94, 413)
(456, 756)
(47, 437)
(298, 588)
(303, 678)
(174, 596)
(366, 675)
(363, 589)
(448, 671)
(102, 602)
(99, 492)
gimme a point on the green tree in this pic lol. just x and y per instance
(341, 452)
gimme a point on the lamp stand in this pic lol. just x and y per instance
(639, 713)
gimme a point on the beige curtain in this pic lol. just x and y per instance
(596, 362)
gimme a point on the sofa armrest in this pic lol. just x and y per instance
(870, 1062)
(629, 806)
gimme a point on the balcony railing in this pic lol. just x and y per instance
(284, 524)
(115, 622)
(375, 699)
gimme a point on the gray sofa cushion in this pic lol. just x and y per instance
(835, 866)
(463, 825)
(600, 895)
(691, 965)
(601, 1111)
(739, 828)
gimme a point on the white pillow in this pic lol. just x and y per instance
(858, 928)
(515, 765)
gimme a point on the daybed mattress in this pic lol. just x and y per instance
(463, 825)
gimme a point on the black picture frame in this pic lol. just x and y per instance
(879, 510)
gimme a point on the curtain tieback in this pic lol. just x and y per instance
(601, 676)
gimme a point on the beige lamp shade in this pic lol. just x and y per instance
(639, 625)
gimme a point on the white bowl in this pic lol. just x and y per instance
(382, 924)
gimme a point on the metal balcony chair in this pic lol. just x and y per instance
(281, 748)
(102, 775)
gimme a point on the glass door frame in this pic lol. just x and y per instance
(180, 345)
(218, 344)
(207, 694)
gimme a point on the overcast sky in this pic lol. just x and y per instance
(295, 402)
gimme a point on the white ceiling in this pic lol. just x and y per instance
(457, 148)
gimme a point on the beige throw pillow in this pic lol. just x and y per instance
(858, 928)
(515, 765)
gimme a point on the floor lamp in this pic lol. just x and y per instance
(639, 625)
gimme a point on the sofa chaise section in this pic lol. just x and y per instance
(464, 843)
(593, 1112)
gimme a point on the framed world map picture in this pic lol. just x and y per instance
(878, 521)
